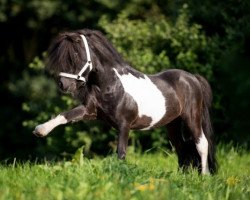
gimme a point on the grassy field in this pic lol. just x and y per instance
(146, 176)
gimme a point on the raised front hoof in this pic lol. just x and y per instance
(40, 131)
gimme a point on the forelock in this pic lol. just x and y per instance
(65, 53)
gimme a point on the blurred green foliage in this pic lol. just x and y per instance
(209, 37)
(155, 44)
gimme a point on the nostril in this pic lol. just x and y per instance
(60, 84)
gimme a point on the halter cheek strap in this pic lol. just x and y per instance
(87, 65)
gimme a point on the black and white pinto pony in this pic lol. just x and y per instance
(88, 67)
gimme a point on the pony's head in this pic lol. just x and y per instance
(75, 57)
(68, 54)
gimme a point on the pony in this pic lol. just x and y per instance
(87, 66)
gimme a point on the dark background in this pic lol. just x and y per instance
(29, 96)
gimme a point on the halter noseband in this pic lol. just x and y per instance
(84, 68)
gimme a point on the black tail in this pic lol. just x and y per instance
(206, 122)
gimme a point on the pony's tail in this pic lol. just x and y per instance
(206, 122)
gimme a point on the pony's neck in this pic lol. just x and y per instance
(127, 69)
(102, 76)
(108, 74)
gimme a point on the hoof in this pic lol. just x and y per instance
(40, 131)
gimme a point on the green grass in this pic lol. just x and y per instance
(146, 176)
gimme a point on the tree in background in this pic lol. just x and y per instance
(209, 38)
(228, 24)
(27, 28)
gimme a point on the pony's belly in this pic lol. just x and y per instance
(142, 123)
(145, 123)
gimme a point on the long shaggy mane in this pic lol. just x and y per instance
(67, 52)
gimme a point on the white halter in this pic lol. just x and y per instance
(84, 68)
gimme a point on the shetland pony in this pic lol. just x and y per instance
(88, 67)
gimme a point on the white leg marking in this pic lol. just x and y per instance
(149, 98)
(44, 129)
(202, 148)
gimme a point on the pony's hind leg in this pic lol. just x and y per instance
(202, 148)
(195, 125)
(184, 147)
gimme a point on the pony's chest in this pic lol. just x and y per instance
(150, 101)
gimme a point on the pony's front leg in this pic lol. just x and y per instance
(76, 114)
(123, 142)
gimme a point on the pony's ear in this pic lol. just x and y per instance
(71, 37)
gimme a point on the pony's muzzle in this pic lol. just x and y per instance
(66, 84)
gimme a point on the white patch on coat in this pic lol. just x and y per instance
(202, 148)
(44, 129)
(149, 98)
